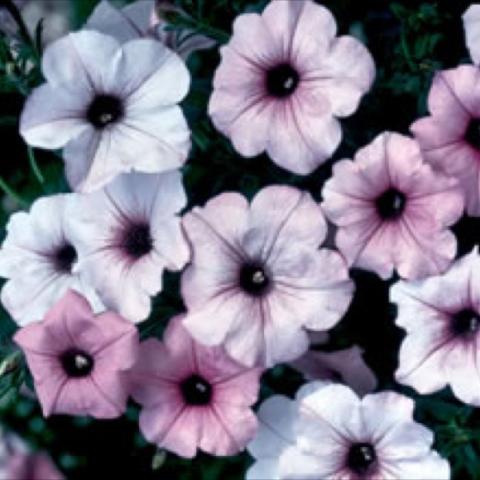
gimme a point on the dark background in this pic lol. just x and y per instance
(409, 40)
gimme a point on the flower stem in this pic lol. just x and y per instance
(34, 166)
(12, 193)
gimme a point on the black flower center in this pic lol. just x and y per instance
(391, 204)
(465, 322)
(360, 457)
(196, 390)
(472, 134)
(137, 240)
(76, 363)
(254, 279)
(282, 80)
(64, 258)
(103, 110)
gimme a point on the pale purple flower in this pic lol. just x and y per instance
(193, 397)
(127, 234)
(78, 360)
(450, 136)
(471, 24)
(143, 19)
(345, 366)
(392, 210)
(39, 258)
(31, 466)
(328, 432)
(283, 81)
(113, 107)
(442, 318)
(258, 278)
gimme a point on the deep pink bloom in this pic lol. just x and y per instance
(283, 81)
(450, 136)
(258, 278)
(31, 466)
(78, 361)
(346, 366)
(392, 210)
(193, 396)
(442, 318)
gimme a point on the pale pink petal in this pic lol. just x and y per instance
(471, 24)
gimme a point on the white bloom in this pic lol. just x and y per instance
(329, 433)
(471, 24)
(114, 108)
(39, 259)
(127, 234)
(441, 315)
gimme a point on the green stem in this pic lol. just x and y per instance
(12, 193)
(34, 166)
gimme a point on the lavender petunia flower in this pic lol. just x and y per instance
(114, 108)
(127, 234)
(258, 278)
(442, 318)
(345, 366)
(450, 136)
(194, 397)
(392, 210)
(283, 81)
(329, 433)
(78, 361)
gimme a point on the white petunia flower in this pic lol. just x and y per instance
(39, 259)
(127, 234)
(114, 108)
(329, 433)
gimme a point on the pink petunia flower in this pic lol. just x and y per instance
(258, 278)
(283, 81)
(113, 108)
(345, 366)
(442, 318)
(392, 210)
(31, 466)
(127, 234)
(193, 397)
(450, 136)
(327, 432)
(78, 361)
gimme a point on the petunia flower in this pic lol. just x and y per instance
(345, 366)
(78, 360)
(39, 258)
(193, 397)
(114, 108)
(450, 136)
(127, 234)
(442, 318)
(283, 81)
(31, 466)
(471, 25)
(329, 433)
(392, 210)
(142, 19)
(258, 278)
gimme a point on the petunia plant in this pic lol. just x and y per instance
(240, 239)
